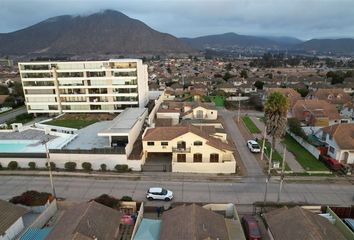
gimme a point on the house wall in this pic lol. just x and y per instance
(134, 133)
(172, 115)
(12, 231)
(207, 113)
(338, 153)
(226, 167)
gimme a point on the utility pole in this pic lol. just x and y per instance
(239, 107)
(49, 169)
(282, 175)
(268, 175)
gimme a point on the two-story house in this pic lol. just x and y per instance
(190, 149)
(340, 141)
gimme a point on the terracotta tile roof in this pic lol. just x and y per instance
(88, 220)
(163, 122)
(315, 107)
(290, 93)
(2, 98)
(343, 134)
(170, 133)
(9, 214)
(286, 223)
(225, 85)
(192, 223)
(334, 96)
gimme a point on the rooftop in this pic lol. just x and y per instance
(124, 122)
(9, 214)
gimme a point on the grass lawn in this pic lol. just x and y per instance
(250, 125)
(71, 123)
(306, 160)
(276, 156)
(219, 101)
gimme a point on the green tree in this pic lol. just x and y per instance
(303, 91)
(227, 76)
(259, 84)
(4, 90)
(244, 74)
(295, 127)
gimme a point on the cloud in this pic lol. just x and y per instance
(189, 18)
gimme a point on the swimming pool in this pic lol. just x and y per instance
(18, 146)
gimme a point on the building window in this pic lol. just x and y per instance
(197, 157)
(164, 144)
(198, 143)
(331, 149)
(151, 143)
(181, 157)
(214, 157)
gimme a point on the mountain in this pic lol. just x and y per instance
(233, 40)
(108, 32)
(285, 41)
(336, 46)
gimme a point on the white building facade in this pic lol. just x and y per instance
(84, 87)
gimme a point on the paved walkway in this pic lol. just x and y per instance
(289, 157)
(250, 162)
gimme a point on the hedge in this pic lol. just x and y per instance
(70, 166)
(86, 166)
(32, 165)
(13, 165)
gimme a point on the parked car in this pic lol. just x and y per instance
(253, 146)
(251, 227)
(331, 163)
(158, 193)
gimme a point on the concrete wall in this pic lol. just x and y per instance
(138, 220)
(313, 150)
(43, 218)
(111, 160)
(226, 167)
(134, 133)
(154, 110)
(12, 231)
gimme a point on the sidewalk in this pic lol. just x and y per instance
(289, 157)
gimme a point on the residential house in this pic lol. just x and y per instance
(88, 220)
(190, 148)
(248, 88)
(298, 223)
(315, 112)
(334, 96)
(227, 88)
(292, 95)
(11, 220)
(193, 222)
(339, 139)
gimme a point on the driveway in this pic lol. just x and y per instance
(249, 161)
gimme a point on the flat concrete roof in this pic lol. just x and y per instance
(124, 122)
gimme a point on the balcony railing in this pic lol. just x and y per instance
(181, 150)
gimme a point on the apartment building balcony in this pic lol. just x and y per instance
(181, 150)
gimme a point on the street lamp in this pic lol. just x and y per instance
(49, 167)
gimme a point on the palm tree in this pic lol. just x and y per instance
(276, 109)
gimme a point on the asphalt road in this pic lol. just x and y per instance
(250, 162)
(244, 192)
(12, 114)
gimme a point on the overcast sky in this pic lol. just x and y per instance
(304, 19)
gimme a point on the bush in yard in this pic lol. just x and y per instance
(32, 165)
(70, 166)
(13, 165)
(86, 166)
(103, 167)
(108, 201)
(52, 165)
(121, 167)
(295, 127)
(126, 199)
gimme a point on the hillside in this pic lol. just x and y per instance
(108, 32)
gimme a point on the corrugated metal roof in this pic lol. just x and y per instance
(36, 234)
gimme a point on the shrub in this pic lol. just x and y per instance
(13, 165)
(108, 201)
(32, 165)
(0, 166)
(31, 198)
(126, 198)
(121, 167)
(103, 167)
(52, 165)
(295, 127)
(70, 166)
(86, 166)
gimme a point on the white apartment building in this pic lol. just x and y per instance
(85, 86)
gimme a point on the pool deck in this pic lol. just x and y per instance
(29, 134)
